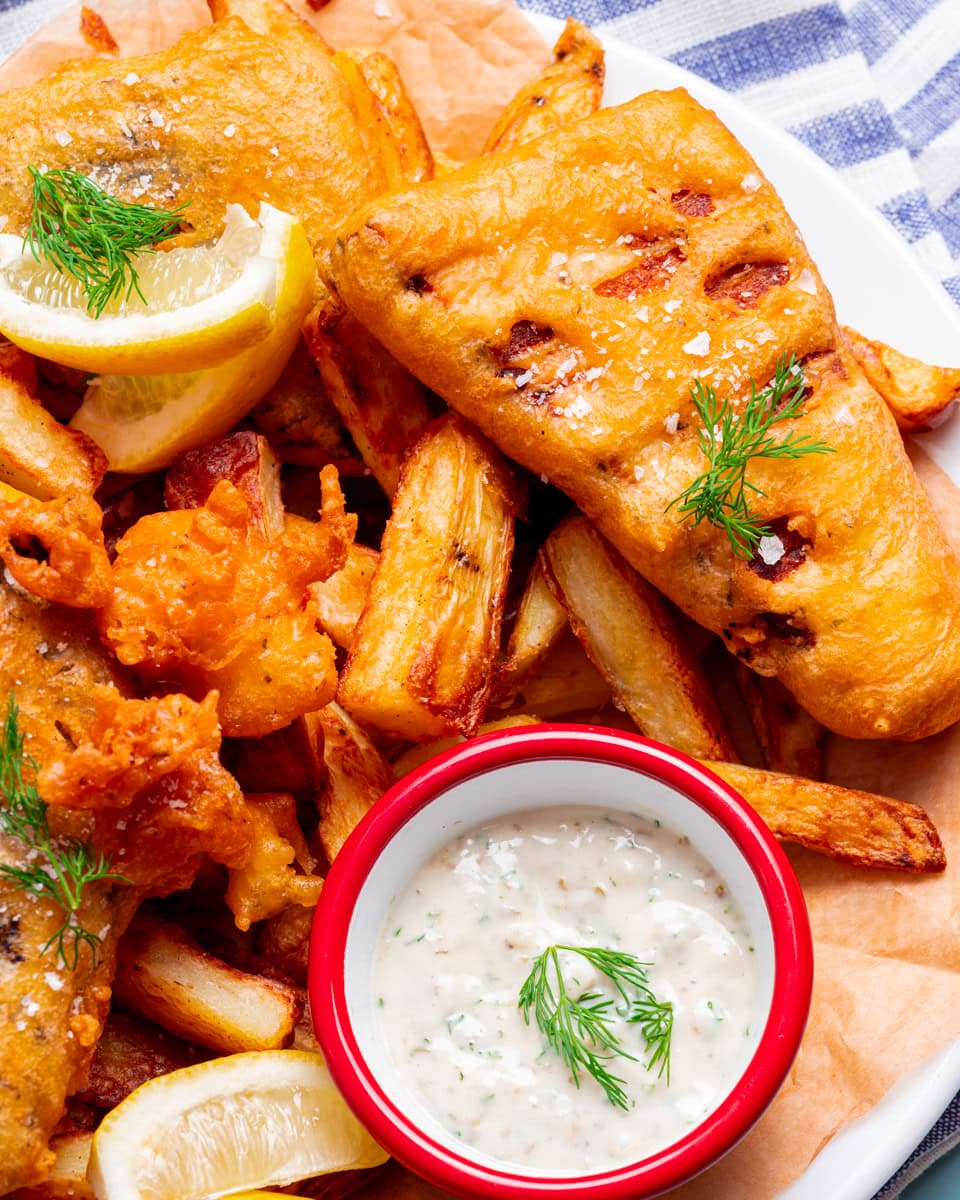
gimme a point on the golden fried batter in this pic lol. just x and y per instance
(224, 115)
(55, 549)
(201, 596)
(564, 295)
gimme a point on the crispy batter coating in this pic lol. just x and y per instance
(267, 884)
(55, 549)
(202, 596)
(225, 114)
(564, 296)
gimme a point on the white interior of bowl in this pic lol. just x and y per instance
(511, 789)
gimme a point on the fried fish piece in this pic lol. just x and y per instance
(225, 114)
(565, 294)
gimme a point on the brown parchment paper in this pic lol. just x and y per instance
(887, 991)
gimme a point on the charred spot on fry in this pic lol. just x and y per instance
(745, 283)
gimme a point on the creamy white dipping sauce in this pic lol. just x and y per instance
(461, 940)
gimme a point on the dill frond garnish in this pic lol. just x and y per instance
(580, 1029)
(88, 234)
(721, 495)
(62, 866)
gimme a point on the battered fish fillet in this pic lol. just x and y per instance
(224, 115)
(50, 1017)
(565, 295)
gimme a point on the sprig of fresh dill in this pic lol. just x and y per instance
(580, 1029)
(721, 495)
(87, 233)
(63, 866)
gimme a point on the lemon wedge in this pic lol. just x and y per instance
(262, 1119)
(142, 421)
(201, 304)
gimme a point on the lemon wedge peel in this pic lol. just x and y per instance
(266, 1118)
(141, 422)
(129, 340)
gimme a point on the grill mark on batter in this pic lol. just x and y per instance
(692, 204)
(657, 266)
(745, 283)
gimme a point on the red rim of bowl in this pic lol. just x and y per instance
(722, 1129)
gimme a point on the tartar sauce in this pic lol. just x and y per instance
(461, 940)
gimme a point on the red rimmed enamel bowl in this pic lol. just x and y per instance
(513, 777)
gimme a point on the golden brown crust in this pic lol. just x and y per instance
(518, 320)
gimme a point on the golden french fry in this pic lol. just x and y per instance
(167, 977)
(541, 619)
(273, 18)
(341, 599)
(423, 652)
(788, 737)
(920, 396)
(565, 681)
(383, 407)
(417, 755)
(857, 827)
(38, 455)
(387, 109)
(570, 88)
(628, 631)
(247, 461)
(284, 941)
(357, 776)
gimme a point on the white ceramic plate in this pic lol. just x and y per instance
(881, 290)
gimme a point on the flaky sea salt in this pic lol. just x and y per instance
(62, 137)
(770, 550)
(806, 282)
(131, 78)
(751, 182)
(672, 423)
(230, 130)
(699, 345)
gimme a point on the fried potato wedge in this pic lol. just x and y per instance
(856, 827)
(788, 737)
(357, 776)
(569, 89)
(273, 19)
(167, 977)
(38, 455)
(628, 631)
(302, 425)
(387, 110)
(564, 681)
(541, 619)
(284, 942)
(423, 653)
(340, 600)
(919, 395)
(382, 406)
(288, 760)
(247, 461)
(68, 1173)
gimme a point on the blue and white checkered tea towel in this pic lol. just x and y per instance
(873, 86)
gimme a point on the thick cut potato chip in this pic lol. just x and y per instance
(569, 89)
(788, 737)
(424, 650)
(383, 407)
(541, 619)
(247, 461)
(920, 396)
(68, 1174)
(357, 776)
(341, 599)
(565, 681)
(856, 827)
(167, 977)
(416, 756)
(628, 631)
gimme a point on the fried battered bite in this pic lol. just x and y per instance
(55, 549)
(565, 295)
(919, 396)
(569, 89)
(267, 884)
(271, 115)
(201, 596)
(96, 33)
